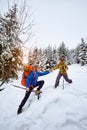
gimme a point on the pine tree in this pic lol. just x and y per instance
(34, 56)
(62, 51)
(68, 57)
(72, 56)
(82, 52)
(55, 56)
(11, 53)
(50, 61)
(77, 55)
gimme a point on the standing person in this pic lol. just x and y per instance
(62, 66)
(31, 83)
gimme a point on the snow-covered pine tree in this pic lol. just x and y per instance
(77, 54)
(82, 52)
(11, 54)
(35, 56)
(50, 61)
(72, 56)
(68, 57)
(62, 51)
(55, 55)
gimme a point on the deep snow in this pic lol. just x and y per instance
(57, 109)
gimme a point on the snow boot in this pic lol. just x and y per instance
(19, 110)
(37, 92)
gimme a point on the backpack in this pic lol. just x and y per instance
(27, 70)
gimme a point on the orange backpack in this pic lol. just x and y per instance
(27, 70)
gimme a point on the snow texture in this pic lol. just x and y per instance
(57, 109)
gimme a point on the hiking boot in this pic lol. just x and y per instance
(37, 92)
(55, 87)
(19, 110)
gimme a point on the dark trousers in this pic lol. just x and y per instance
(27, 94)
(65, 77)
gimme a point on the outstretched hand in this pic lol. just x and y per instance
(51, 70)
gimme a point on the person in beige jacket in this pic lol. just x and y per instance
(62, 66)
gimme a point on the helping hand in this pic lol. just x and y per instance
(51, 70)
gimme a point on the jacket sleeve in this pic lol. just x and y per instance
(43, 73)
(29, 78)
(66, 66)
(56, 67)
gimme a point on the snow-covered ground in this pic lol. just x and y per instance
(57, 109)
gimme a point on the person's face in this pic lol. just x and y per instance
(60, 60)
(38, 68)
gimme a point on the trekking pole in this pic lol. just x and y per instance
(38, 96)
(63, 83)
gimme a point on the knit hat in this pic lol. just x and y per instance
(61, 59)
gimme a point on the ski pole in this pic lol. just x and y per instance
(38, 95)
(63, 83)
(2, 89)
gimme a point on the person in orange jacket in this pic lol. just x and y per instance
(31, 83)
(62, 66)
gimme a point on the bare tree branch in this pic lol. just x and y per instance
(25, 22)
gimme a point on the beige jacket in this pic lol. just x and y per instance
(62, 66)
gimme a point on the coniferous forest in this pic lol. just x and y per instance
(11, 48)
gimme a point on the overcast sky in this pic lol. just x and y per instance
(57, 21)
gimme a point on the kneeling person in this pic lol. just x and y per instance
(31, 83)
